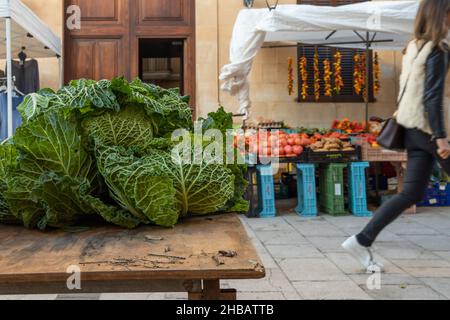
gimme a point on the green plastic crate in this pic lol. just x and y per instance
(331, 189)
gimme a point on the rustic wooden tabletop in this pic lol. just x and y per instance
(113, 259)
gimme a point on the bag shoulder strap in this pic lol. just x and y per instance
(409, 76)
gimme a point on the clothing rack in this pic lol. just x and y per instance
(4, 83)
(4, 80)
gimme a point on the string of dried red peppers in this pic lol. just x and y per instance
(328, 88)
(377, 74)
(290, 76)
(338, 81)
(316, 77)
(303, 65)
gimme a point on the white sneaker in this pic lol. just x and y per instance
(363, 254)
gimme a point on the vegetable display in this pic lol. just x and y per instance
(103, 149)
(331, 144)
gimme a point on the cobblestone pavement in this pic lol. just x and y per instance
(304, 260)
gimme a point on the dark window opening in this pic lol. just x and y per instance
(161, 62)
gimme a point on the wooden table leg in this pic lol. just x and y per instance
(211, 291)
(250, 193)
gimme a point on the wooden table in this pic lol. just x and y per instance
(113, 260)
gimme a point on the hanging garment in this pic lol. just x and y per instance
(27, 75)
(17, 120)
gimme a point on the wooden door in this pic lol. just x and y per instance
(107, 45)
(100, 49)
(169, 19)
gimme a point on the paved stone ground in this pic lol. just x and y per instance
(304, 260)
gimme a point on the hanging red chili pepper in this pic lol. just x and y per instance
(303, 65)
(357, 74)
(338, 81)
(290, 76)
(316, 77)
(377, 74)
(328, 88)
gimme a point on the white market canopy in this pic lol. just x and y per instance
(21, 28)
(24, 23)
(385, 25)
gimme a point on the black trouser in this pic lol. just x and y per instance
(422, 154)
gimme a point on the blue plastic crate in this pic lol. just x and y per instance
(357, 189)
(437, 195)
(266, 192)
(306, 186)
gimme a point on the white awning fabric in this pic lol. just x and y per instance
(27, 31)
(389, 24)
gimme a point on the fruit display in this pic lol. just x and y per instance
(344, 136)
(349, 126)
(272, 144)
(368, 138)
(331, 145)
(354, 127)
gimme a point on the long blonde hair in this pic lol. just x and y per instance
(431, 21)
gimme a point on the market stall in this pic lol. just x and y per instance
(380, 25)
(23, 31)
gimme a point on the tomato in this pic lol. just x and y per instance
(288, 150)
(283, 143)
(304, 136)
(298, 142)
(297, 150)
(281, 152)
(306, 142)
(291, 141)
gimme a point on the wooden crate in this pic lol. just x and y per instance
(371, 154)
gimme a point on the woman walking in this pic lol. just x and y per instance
(425, 116)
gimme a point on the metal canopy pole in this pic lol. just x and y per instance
(366, 98)
(61, 70)
(9, 77)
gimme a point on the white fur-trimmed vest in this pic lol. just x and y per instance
(411, 110)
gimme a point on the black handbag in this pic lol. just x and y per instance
(392, 136)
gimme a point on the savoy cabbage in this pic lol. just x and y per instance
(103, 149)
